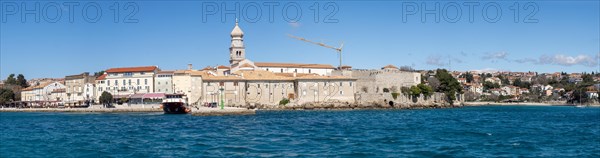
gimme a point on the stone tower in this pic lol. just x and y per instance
(237, 50)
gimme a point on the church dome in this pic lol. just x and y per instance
(237, 32)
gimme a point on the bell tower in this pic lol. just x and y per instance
(237, 51)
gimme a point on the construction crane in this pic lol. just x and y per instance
(338, 50)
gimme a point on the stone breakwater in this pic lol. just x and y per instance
(83, 110)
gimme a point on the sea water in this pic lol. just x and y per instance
(485, 131)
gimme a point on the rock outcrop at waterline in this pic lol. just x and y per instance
(332, 105)
(368, 101)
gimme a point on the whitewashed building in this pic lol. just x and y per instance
(163, 82)
(122, 82)
(42, 92)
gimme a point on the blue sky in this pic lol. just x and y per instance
(560, 36)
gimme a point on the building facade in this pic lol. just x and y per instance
(163, 82)
(122, 82)
(43, 92)
(78, 89)
(188, 82)
(251, 87)
(385, 80)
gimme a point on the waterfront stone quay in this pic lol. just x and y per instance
(83, 110)
(206, 111)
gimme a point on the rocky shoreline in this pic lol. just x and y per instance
(345, 106)
(247, 109)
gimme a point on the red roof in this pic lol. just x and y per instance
(222, 67)
(390, 67)
(132, 69)
(101, 77)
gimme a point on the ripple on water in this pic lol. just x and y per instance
(490, 131)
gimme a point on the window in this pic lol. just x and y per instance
(138, 81)
(208, 83)
(341, 92)
(281, 70)
(129, 81)
(142, 73)
(158, 83)
(341, 84)
(145, 81)
(166, 82)
(309, 71)
(108, 83)
(350, 84)
(221, 83)
(128, 74)
(124, 83)
(295, 70)
(235, 83)
(116, 82)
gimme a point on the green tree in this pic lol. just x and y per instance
(415, 91)
(469, 77)
(425, 90)
(503, 80)
(587, 78)
(106, 98)
(489, 85)
(6, 95)
(405, 91)
(21, 81)
(517, 82)
(99, 73)
(284, 101)
(448, 85)
(10, 80)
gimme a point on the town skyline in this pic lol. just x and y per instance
(565, 39)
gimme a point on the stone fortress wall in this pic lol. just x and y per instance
(375, 87)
